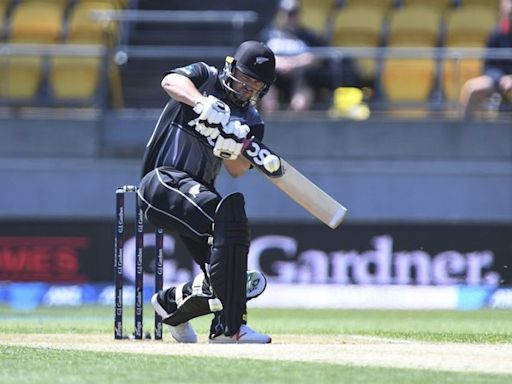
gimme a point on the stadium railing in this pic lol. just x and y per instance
(120, 55)
(381, 98)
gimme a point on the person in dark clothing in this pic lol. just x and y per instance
(497, 76)
(201, 129)
(296, 66)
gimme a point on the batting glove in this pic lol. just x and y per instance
(229, 144)
(213, 115)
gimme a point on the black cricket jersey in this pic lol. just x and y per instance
(176, 144)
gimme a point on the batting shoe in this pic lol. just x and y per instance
(245, 335)
(182, 333)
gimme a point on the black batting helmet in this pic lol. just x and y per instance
(254, 59)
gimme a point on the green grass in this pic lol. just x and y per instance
(73, 367)
(31, 365)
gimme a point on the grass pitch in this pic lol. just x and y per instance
(75, 345)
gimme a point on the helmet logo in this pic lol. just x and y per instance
(261, 59)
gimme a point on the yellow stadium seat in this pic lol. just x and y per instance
(359, 26)
(469, 27)
(414, 26)
(316, 14)
(411, 79)
(492, 4)
(79, 78)
(439, 5)
(119, 4)
(74, 78)
(408, 79)
(384, 5)
(4, 4)
(61, 3)
(32, 22)
(85, 30)
(36, 22)
(21, 77)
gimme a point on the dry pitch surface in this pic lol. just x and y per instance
(345, 350)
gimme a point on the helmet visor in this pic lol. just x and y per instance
(245, 88)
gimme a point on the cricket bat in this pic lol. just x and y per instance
(297, 186)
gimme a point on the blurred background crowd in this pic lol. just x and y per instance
(340, 57)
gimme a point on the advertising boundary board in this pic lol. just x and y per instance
(28, 296)
(79, 252)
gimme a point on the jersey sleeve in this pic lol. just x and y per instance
(255, 123)
(258, 130)
(197, 72)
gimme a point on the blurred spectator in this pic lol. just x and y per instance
(497, 77)
(295, 64)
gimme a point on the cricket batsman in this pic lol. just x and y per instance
(201, 129)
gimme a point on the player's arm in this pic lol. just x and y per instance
(237, 167)
(241, 164)
(182, 89)
(213, 113)
(211, 110)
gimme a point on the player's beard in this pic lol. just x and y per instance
(237, 98)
